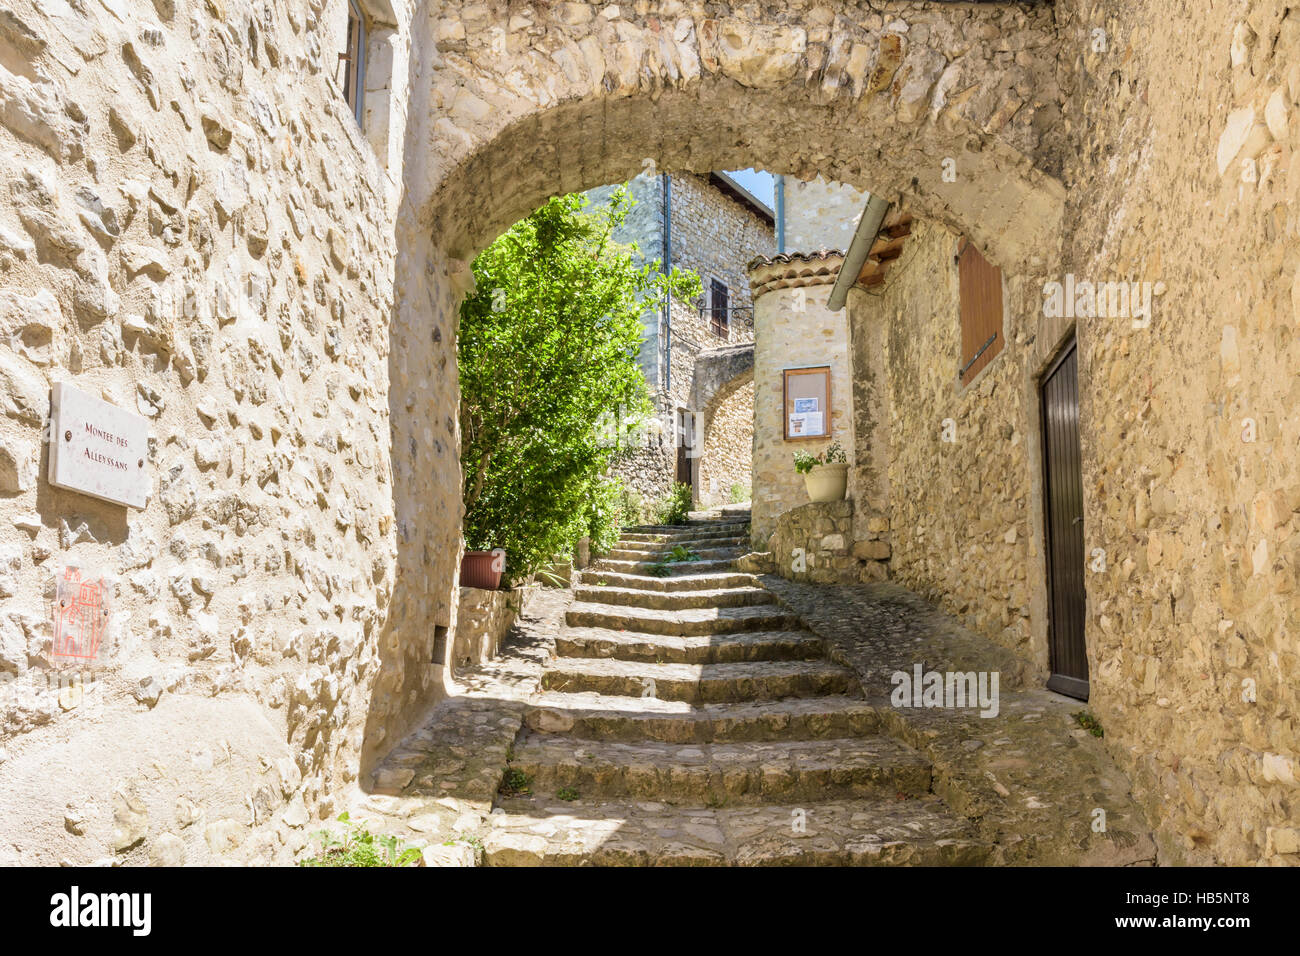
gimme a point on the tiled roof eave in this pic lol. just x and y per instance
(788, 270)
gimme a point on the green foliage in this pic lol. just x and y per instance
(633, 509)
(680, 553)
(551, 578)
(515, 783)
(675, 507)
(1088, 722)
(357, 846)
(470, 840)
(567, 793)
(739, 493)
(604, 515)
(833, 455)
(547, 347)
(804, 462)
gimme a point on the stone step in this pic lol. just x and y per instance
(723, 774)
(685, 623)
(700, 683)
(544, 831)
(655, 548)
(592, 716)
(675, 600)
(684, 582)
(685, 532)
(742, 509)
(624, 566)
(660, 553)
(601, 642)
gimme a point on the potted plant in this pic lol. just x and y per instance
(482, 569)
(826, 476)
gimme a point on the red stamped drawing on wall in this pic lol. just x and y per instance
(80, 614)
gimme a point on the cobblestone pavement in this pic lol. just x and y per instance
(688, 714)
(1031, 779)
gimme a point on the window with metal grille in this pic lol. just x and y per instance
(354, 60)
(718, 307)
(980, 285)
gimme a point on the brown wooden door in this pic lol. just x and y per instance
(1063, 503)
(685, 438)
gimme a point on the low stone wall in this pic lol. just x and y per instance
(649, 469)
(482, 622)
(817, 542)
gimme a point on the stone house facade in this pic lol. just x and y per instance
(195, 227)
(189, 236)
(713, 228)
(817, 214)
(796, 330)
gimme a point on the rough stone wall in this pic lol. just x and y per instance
(820, 215)
(483, 619)
(1190, 510)
(868, 330)
(713, 235)
(1177, 174)
(827, 543)
(691, 334)
(716, 236)
(649, 465)
(558, 99)
(961, 505)
(194, 239)
(794, 329)
(1188, 177)
(728, 448)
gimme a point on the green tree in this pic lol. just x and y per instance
(548, 348)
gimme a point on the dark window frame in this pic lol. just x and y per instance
(354, 60)
(718, 313)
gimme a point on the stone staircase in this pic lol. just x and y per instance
(687, 718)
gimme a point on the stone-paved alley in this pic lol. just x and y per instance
(687, 713)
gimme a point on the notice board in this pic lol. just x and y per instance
(807, 403)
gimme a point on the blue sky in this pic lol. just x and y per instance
(761, 184)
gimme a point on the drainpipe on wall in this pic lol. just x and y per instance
(780, 213)
(666, 266)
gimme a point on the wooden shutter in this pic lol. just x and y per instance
(981, 311)
(718, 307)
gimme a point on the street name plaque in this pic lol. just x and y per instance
(98, 449)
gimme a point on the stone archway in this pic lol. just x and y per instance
(509, 108)
(719, 374)
(912, 106)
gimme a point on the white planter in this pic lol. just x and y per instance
(827, 482)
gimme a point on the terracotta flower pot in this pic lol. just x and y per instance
(482, 569)
(827, 482)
